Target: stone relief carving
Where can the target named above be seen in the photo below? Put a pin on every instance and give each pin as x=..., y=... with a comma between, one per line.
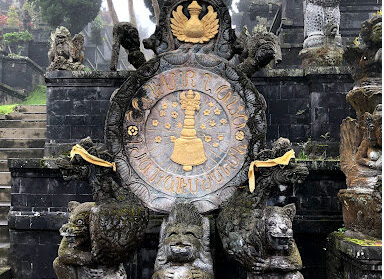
x=117, y=220
x=184, y=245
x=257, y=50
x=322, y=44
x=66, y=53
x=361, y=139
x=75, y=258
x=126, y=35
x=261, y=237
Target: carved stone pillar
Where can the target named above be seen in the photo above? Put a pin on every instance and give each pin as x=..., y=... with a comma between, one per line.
x=322, y=44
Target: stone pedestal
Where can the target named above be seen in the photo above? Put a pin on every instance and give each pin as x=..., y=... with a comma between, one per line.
x=362, y=211
x=353, y=259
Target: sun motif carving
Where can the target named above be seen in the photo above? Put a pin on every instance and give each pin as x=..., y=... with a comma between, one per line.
x=194, y=30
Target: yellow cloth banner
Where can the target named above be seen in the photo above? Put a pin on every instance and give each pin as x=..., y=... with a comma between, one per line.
x=283, y=160
x=79, y=150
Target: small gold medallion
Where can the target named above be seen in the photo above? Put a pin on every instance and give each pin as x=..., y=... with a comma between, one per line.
x=133, y=130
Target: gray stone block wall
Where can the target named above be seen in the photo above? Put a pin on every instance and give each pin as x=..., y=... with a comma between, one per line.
x=39, y=208
x=77, y=104
x=303, y=105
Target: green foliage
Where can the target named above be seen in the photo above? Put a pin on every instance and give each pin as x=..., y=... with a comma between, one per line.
x=96, y=28
x=302, y=156
x=37, y=96
x=17, y=37
x=7, y=109
x=326, y=136
x=300, y=112
x=73, y=14
x=13, y=18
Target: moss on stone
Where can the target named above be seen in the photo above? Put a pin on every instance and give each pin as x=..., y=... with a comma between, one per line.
x=361, y=242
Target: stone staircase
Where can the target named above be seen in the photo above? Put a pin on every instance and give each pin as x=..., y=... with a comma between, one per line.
x=22, y=135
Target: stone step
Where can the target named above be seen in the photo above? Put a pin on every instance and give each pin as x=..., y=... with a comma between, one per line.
x=5, y=272
x=5, y=195
x=4, y=210
x=5, y=179
x=3, y=165
x=32, y=109
x=6, y=153
x=23, y=124
x=27, y=133
x=26, y=116
x=21, y=143
x=4, y=253
x=4, y=231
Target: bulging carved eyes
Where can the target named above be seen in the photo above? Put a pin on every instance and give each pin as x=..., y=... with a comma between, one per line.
x=171, y=234
x=80, y=222
x=190, y=233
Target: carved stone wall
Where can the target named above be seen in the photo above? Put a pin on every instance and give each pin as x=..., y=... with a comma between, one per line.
x=39, y=208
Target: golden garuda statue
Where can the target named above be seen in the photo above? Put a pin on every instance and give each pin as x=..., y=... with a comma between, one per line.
x=194, y=30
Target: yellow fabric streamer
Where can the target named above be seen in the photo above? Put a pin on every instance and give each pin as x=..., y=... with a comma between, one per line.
x=283, y=160
x=79, y=150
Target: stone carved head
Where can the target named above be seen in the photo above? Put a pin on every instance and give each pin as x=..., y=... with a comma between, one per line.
x=278, y=227
x=77, y=229
x=184, y=239
x=371, y=31
x=373, y=126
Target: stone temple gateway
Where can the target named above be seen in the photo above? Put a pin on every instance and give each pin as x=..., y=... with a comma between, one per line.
x=183, y=184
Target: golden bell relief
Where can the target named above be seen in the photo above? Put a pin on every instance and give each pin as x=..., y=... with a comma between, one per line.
x=188, y=150
x=194, y=30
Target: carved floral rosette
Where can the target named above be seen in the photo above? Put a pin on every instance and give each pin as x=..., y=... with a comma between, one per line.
x=147, y=115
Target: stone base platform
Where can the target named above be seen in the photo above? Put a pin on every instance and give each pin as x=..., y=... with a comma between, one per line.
x=353, y=259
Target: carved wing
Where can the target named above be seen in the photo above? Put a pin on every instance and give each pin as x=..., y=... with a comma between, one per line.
x=211, y=24
x=178, y=22
x=351, y=138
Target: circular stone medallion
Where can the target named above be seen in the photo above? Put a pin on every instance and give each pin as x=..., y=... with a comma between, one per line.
x=185, y=137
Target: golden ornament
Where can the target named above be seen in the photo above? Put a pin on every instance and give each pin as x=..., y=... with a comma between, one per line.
x=240, y=135
x=188, y=150
x=194, y=30
x=133, y=130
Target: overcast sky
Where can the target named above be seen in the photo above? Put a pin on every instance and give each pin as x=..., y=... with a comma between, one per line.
x=142, y=13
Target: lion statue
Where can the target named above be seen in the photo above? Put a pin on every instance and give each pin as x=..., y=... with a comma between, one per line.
x=75, y=259
x=66, y=53
x=184, y=245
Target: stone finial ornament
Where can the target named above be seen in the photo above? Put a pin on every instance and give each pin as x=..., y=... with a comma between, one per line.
x=184, y=245
x=322, y=44
x=66, y=53
x=125, y=34
x=361, y=138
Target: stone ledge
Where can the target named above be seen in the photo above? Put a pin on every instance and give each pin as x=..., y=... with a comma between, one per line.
x=85, y=75
x=24, y=59
x=50, y=163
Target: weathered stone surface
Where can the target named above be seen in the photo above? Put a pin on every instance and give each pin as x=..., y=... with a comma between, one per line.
x=345, y=257
x=146, y=117
x=127, y=36
x=184, y=250
x=261, y=237
x=75, y=259
x=39, y=208
x=361, y=139
x=66, y=53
